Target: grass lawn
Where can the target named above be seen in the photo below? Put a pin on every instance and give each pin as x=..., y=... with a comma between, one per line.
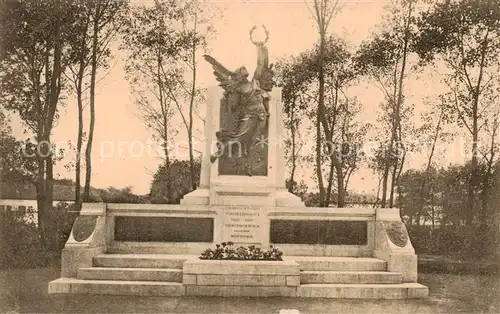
x=25, y=290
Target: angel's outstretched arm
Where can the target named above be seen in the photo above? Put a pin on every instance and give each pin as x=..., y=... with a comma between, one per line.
x=262, y=61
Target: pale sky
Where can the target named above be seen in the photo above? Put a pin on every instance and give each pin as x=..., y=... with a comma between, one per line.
x=119, y=132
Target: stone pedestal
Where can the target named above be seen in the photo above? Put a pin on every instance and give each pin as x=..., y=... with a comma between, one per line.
x=241, y=278
x=393, y=245
x=86, y=240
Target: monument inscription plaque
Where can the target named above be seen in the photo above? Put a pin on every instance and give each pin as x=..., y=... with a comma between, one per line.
x=242, y=224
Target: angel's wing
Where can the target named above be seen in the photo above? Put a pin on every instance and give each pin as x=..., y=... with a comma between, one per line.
x=264, y=73
x=227, y=81
x=223, y=75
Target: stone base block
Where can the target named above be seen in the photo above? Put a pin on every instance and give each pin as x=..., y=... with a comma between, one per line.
x=73, y=258
x=229, y=267
x=199, y=196
x=406, y=264
x=241, y=291
x=136, y=274
x=287, y=199
x=241, y=278
x=417, y=291
x=326, y=263
x=177, y=248
x=142, y=288
x=363, y=291
x=325, y=250
x=356, y=277
x=293, y=281
x=141, y=260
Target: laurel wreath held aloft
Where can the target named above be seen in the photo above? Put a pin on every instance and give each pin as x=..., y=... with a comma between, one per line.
x=259, y=42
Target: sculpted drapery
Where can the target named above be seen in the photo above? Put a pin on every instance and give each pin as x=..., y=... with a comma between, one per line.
x=250, y=99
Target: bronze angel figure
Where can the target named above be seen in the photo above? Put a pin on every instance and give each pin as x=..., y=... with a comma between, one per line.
x=249, y=98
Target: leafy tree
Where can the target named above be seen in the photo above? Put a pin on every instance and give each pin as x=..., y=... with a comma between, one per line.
x=446, y=192
x=340, y=134
x=465, y=35
x=177, y=177
x=294, y=80
x=15, y=167
x=35, y=36
x=384, y=58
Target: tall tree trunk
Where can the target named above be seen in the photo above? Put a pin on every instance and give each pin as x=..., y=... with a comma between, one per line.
x=475, y=136
x=329, y=188
x=426, y=178
x=54, y=91
x=79, y=140
x=164, y=112
x=396, y=123
x=380, y=178
x=334, y=165
x=294, y=156
x=49, y=190
x=41, y=155
x=191, y=108
x=393, y=183
x=320, y=116
x=340, y=187
x=433, y=215
x=488, y=178
x=40, y=200
x=469, y=217
x=79, y=94
x=385, y=175
x=318, y=162
x=88, y=150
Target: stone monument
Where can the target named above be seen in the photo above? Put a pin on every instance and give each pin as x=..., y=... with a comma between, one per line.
x=245, y=173
x=154, y=249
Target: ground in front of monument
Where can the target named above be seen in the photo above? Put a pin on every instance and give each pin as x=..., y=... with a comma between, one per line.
x=448, y=294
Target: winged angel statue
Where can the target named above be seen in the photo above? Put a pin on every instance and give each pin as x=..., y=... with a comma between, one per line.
x=250, y=99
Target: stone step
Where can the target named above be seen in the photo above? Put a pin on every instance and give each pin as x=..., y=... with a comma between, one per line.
x=140, y=260
x=309, y=276
x=326, y=263
x=130, y=274
x=142, y=288
x=363, y=291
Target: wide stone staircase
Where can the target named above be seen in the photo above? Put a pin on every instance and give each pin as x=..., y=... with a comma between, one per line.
x=161, y=275
x=352, y=277
x=127, y=274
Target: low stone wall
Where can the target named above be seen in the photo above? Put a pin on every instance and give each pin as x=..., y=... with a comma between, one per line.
x=241, y=278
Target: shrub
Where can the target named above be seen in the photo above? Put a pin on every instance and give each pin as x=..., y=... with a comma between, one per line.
x=20, y=239
x=227, y=251
x=20, y=243
x=453, y=241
